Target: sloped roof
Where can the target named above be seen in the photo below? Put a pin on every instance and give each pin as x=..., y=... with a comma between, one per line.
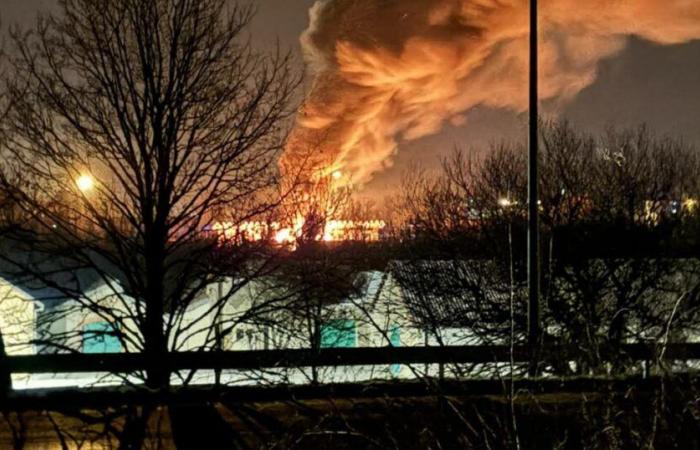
x=369, y=285
x=47, y=278
x=451, y=293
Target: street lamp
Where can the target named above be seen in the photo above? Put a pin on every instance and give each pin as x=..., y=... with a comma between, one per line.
x=85, y=183
x=505, y=202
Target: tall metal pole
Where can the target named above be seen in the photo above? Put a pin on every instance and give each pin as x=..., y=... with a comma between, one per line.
x=533, y=266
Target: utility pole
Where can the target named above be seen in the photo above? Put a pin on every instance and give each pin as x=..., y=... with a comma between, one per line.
x=533, y=266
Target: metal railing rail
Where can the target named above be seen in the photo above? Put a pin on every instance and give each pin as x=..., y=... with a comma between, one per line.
x=295, y=358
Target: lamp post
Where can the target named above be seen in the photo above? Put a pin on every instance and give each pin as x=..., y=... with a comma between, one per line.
x=533, y=269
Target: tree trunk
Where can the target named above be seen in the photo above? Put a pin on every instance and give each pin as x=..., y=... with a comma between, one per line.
x=156, y=346
x=134, y=432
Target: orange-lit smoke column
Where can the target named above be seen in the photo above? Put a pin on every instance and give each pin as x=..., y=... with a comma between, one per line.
x=386, y=71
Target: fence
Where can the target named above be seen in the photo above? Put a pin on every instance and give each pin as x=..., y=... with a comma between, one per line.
x=261, y=359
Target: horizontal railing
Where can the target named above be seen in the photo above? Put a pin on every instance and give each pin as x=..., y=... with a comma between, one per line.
x=102, y=397
x=292, y=358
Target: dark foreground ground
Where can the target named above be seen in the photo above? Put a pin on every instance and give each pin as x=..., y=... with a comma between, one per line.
x=660, y=413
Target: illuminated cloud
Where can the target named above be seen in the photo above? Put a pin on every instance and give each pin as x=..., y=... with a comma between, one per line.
x=388, y=70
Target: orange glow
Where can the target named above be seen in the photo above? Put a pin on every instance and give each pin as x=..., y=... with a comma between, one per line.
x=284, y=236
x=333, y=231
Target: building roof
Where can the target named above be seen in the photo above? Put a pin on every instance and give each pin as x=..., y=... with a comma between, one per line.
x=49, y=279
x=451, y=293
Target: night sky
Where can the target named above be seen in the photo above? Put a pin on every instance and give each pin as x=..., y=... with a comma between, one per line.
x=645, y=82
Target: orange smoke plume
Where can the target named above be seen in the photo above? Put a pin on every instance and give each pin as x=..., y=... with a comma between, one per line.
x=387, y=70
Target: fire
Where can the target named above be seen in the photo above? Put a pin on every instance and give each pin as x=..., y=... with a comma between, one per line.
x=287, y=235
x=351, y=230
x=284, y=235
x=335, y=230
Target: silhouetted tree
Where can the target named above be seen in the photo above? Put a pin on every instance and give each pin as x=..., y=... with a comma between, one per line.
x=135, y=125
x=616, y=211
x=6, y=221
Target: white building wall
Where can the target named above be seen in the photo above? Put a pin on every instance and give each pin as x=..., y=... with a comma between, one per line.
x=17, y=319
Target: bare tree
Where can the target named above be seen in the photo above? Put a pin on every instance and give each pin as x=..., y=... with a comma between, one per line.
x=6, y=221
x=135, y=125
x=318, y=273
x=618, y=215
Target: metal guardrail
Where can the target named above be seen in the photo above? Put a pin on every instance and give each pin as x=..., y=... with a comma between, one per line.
x=114, y=397
x=102, y=397
x=291, y=358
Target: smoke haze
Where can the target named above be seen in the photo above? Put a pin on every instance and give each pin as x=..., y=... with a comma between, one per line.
x=386, y=70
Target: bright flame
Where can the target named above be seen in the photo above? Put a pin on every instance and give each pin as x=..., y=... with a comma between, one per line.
x=284, y=236
x=333, y=231
x=288, y=235
x=85, y=183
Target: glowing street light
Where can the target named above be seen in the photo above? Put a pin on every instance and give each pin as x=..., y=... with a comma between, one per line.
x=690, y=204
x=337, y=174
x=504, y=202
x=85, y=183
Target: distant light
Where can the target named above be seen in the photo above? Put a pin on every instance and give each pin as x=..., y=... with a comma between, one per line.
x=85, y=183
x=504, y=202
x=337, y=174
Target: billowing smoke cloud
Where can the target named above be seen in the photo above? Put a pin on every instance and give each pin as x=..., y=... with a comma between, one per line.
x=386, y=70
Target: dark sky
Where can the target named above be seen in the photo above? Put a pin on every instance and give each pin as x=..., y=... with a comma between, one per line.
x=645, y=83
